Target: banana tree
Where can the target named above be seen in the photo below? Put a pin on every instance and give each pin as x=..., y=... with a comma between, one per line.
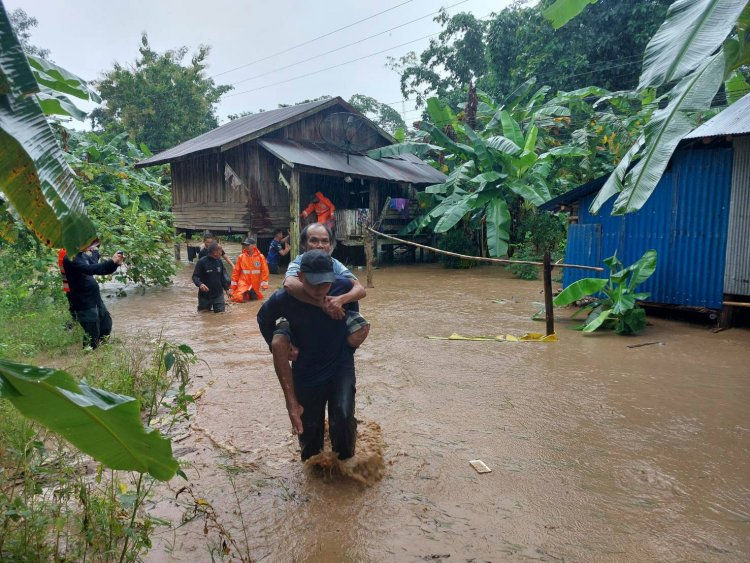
x=699, y=47
x=489, y=170
x=38, y=183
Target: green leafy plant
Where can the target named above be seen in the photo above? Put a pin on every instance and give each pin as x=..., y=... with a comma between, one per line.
x=459, y=242
x=614, y=304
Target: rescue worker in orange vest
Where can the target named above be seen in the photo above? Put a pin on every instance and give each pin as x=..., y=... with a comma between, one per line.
x=323, y=208
x=250, y=274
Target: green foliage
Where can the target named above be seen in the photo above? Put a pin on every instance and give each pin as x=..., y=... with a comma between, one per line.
x=453, y=60
x=51, y=507
x=131, y=206
x=33, y=174
x=544, y=232
x=689, y=48
x=22, y=24
x=31, y=300
x=615, y=299
x=158, y=101
x=459, y=242
x=382, y=114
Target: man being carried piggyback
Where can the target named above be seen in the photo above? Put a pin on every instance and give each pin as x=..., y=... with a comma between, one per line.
x=322, y=369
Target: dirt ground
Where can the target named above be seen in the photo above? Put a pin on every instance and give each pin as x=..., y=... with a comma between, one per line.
x=599, y=451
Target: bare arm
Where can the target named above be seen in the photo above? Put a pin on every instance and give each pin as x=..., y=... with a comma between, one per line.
x=280, y=348
x=334, y=305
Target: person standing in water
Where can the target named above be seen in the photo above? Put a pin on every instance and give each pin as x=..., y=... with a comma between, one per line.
x=322, y=368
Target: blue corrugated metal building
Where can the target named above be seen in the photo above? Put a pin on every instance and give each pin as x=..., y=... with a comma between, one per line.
x=697, y=219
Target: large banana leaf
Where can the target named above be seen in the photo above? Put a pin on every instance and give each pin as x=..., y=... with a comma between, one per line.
x=665, y=130
x=454, y=213
x=419, y=149
x=480, y=149
x=614, y=184
x=34, y=176
x=693, y=30
x=578, y=290
x=497, y=222
x=562, y=11
x=104, y=425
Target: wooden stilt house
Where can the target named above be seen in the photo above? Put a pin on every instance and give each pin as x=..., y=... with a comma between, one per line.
x=256, y=174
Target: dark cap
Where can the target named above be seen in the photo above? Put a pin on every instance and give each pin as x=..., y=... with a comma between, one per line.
x=317, y=266
x=248, y=241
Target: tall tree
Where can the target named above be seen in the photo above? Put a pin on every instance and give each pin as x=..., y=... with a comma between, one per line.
x=22, y=24
x=601, y=47
x=158, y=101
x=382, y=114
x=452, y=62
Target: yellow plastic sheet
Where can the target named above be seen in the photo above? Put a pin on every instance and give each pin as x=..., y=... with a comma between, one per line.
x=528, y=337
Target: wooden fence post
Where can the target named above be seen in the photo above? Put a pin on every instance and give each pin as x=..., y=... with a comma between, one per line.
x=548, y=307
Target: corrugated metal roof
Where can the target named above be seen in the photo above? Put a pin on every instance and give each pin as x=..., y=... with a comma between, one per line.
x=404, y=168
x=735, y=120
x=575, y=194
x=248, y=127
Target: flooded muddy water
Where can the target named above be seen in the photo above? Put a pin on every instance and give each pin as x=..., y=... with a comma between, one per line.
x=598, y=451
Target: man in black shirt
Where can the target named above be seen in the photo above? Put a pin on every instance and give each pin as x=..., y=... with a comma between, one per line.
x=322, y=369
x=85, y=299
x=211, y=281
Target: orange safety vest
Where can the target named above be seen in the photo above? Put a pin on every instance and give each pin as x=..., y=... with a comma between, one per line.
x=60, y=258
x=250, y=272
x=323, y=209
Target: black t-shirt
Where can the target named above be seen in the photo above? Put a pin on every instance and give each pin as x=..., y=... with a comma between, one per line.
x=321, y=340
x=210, y=271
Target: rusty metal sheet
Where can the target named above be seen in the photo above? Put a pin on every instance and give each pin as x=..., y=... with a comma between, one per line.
x=404, y=168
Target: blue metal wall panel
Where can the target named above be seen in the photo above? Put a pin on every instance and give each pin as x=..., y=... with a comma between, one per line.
x=584, y=243
x=685, y=221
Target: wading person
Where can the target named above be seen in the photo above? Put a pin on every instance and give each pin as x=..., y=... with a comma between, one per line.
x=322, y=369
x=279, y=247
x=210, y=279
x=85, y=298
x=250, y=274
x=208, y=239
x=318, y=236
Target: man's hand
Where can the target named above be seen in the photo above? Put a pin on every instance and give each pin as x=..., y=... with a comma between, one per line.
x=295, y=411
x=118, y=258
x=333, y=307
x=203, y=287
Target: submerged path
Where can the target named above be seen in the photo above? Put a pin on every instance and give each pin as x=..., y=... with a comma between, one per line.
x=598, y=451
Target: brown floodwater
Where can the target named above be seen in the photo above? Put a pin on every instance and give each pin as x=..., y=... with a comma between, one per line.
x=598, y=451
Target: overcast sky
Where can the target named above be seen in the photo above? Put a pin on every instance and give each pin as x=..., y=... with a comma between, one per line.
x=88, y=36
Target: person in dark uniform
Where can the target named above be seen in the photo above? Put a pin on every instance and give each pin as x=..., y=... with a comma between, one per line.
x=211, y=280
x=85, y=299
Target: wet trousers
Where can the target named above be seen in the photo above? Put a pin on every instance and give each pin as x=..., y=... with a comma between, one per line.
x=342, y=426
x=215, y=304
x=96, y=322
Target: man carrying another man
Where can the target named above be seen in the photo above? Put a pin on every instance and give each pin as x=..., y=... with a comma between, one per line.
x=323, y=362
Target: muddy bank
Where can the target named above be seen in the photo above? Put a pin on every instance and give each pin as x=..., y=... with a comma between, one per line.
x=598, y=451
